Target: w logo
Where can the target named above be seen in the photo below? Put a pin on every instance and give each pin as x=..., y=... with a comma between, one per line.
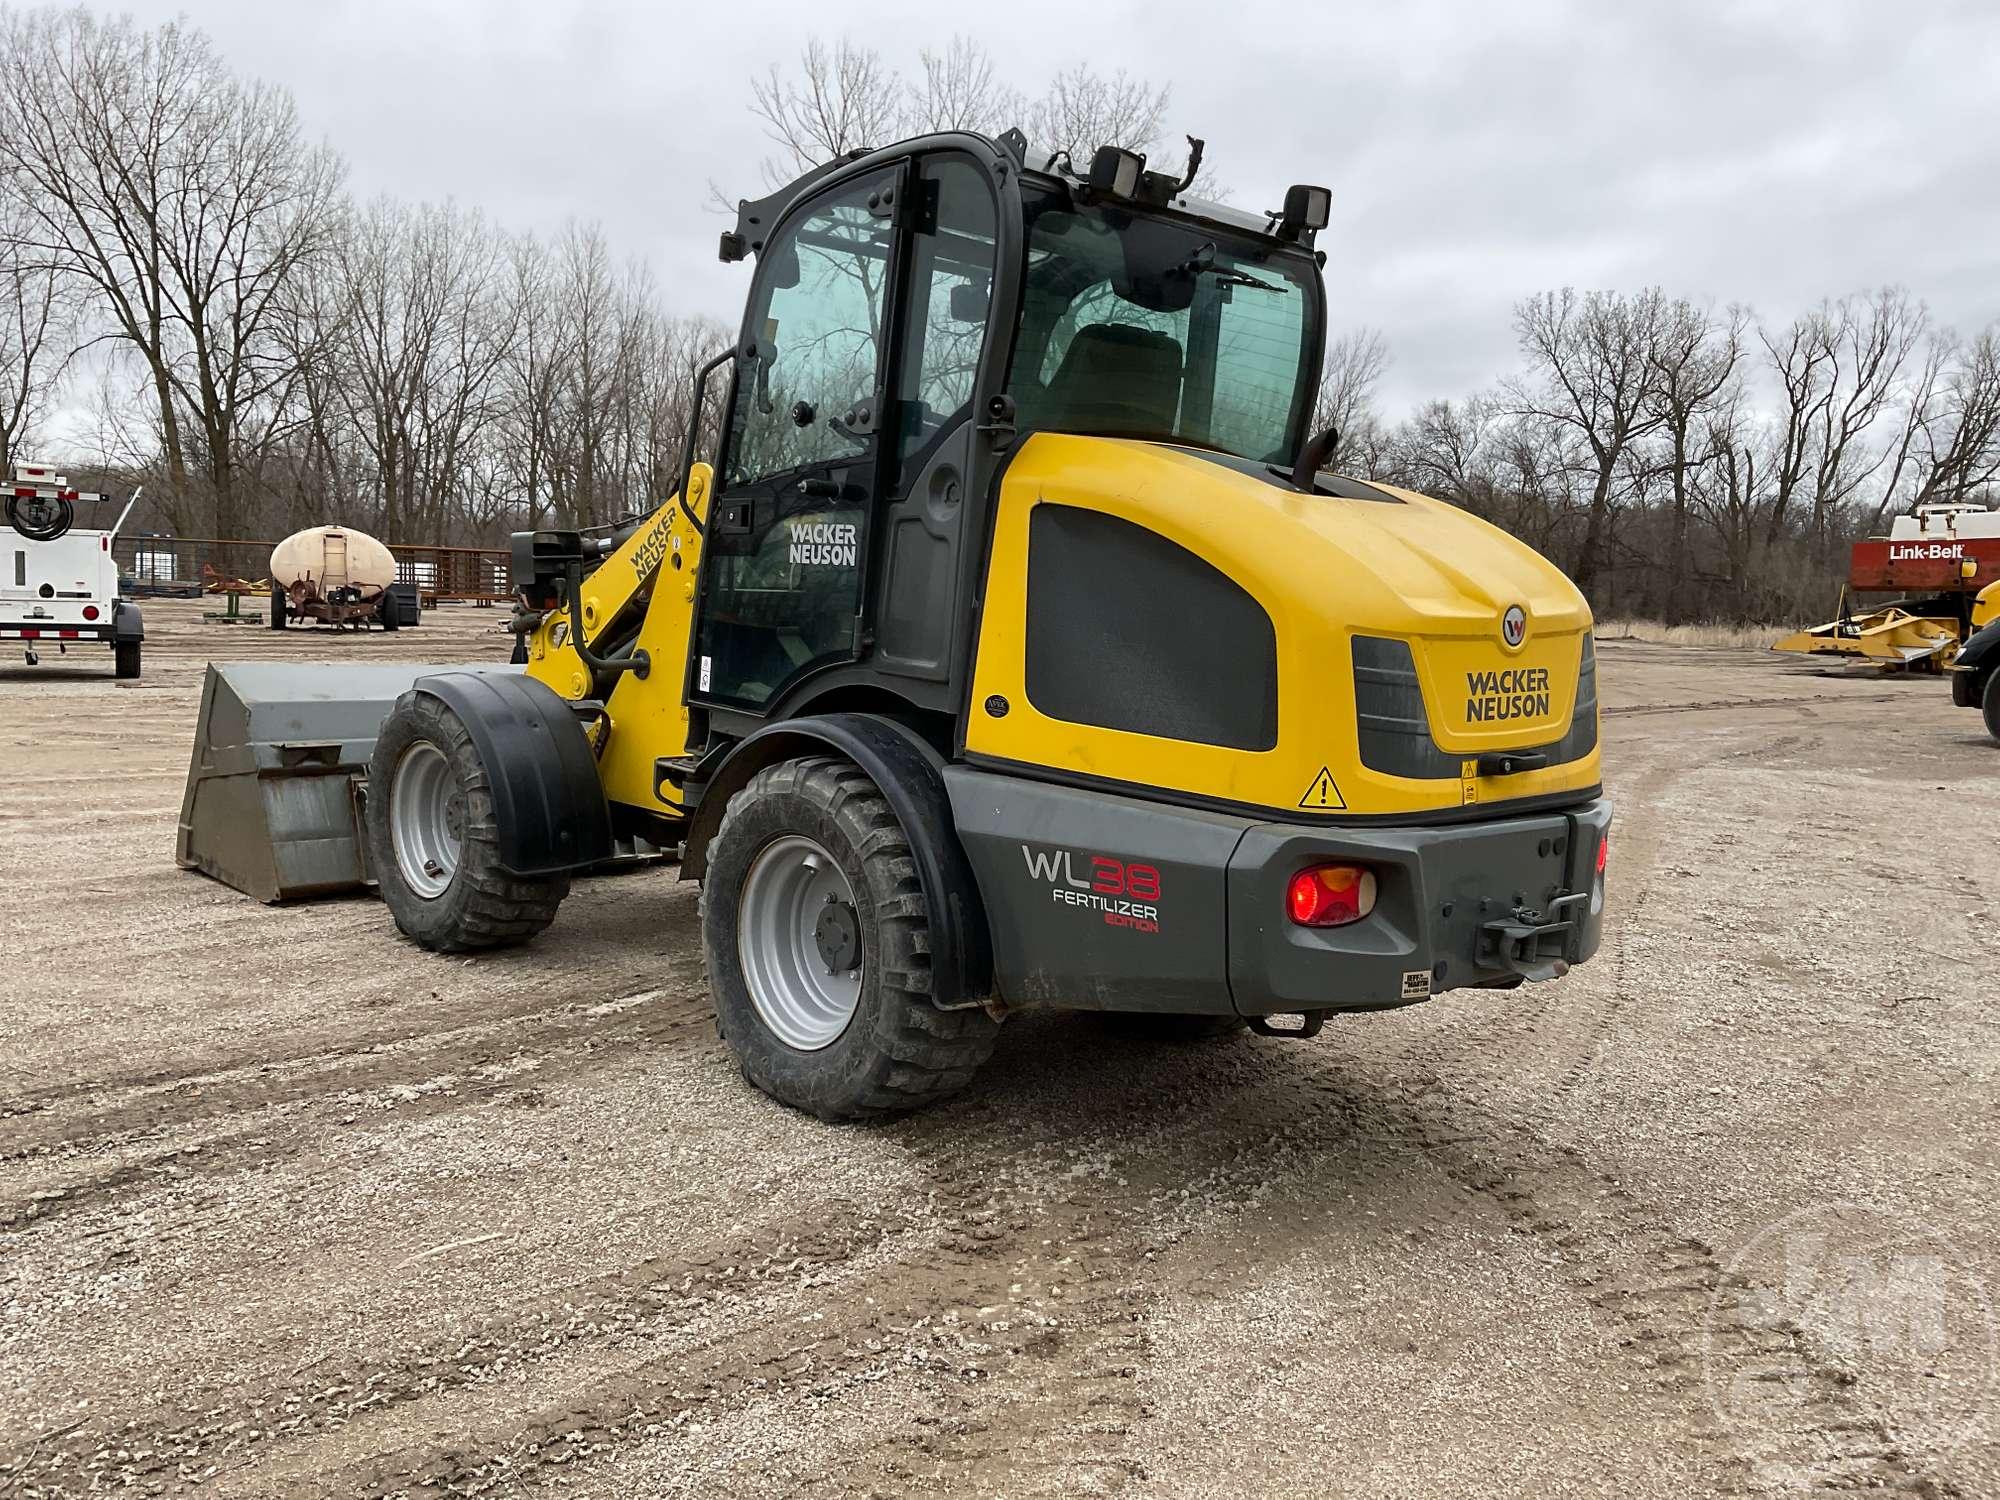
x=1514, y=625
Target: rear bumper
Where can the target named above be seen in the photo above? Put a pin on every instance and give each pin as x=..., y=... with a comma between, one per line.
x=1114, y=903
x=1489, y=903
x=120, y=621
x=15, y=630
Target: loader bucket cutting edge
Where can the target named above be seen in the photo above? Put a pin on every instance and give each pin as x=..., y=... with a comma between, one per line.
x=278, y=748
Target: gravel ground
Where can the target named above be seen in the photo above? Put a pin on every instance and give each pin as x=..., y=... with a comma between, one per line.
x=289, y=1207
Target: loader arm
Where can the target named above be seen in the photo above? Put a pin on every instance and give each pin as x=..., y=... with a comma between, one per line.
x=648, y=579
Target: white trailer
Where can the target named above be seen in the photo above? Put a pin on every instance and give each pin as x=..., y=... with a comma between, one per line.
x=59, y=581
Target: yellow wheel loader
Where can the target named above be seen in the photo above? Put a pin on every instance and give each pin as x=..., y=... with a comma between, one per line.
x=1019, y=649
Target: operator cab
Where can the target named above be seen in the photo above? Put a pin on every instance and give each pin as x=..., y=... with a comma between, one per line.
x=915, y=313
x=1137, y=325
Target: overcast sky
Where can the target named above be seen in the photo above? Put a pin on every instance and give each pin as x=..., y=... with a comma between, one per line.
x=1478, y=152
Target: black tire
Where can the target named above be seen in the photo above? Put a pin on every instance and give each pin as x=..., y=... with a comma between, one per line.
x=484, y=905
x=898, y=1052
x=1989, y=702
x=1155, y=1026
x=277, y=606
x=389, y=612
x=125, y=656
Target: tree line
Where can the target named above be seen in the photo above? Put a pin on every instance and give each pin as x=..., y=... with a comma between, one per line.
x=186, y=279
x=1689, y=463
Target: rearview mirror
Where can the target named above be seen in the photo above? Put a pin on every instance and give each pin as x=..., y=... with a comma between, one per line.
x=970, y=303
x=785, y=266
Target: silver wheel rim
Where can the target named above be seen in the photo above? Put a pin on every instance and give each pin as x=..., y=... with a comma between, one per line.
x=795, y=906
x=426, y=819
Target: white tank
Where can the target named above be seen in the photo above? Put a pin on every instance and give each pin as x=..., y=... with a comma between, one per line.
x=331, y=557
x=1932, y=522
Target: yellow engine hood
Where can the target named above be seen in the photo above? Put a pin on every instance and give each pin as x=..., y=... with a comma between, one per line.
x=1419, y=570
x=1327, y=569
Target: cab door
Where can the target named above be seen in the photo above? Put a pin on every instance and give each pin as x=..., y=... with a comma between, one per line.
x=802, y=461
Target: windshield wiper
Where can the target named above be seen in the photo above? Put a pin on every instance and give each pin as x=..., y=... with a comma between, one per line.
x=1202, y=263
x=1244, y=278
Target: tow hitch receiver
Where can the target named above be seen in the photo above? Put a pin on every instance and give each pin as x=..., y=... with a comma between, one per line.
x=1533, y=944
x=1310, y=1022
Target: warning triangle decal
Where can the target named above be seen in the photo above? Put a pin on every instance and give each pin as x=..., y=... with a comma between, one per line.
x=1323, y=793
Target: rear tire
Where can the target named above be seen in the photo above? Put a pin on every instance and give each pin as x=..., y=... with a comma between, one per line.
x=1989, y=702
x=277, y=606
x=125, y=658
x=433, y=845
x=801, y=841
x=1156, y=1026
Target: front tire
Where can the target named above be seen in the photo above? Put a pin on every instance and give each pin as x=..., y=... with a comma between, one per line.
x=1989, y=703
x=433, y=844
x=817, y=940
x=277, y=606
x=389, y=612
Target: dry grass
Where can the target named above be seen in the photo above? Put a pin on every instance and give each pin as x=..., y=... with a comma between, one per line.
x=1743, y=637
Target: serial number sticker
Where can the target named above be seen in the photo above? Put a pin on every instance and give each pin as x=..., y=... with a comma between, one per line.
x=1416, y=983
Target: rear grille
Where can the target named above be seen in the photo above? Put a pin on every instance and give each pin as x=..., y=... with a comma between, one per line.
x=1395, y=728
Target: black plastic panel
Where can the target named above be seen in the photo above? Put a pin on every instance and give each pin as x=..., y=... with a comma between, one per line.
x=1127, y=630
x=1395, y=728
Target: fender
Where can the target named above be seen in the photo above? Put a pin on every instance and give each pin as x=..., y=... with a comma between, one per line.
x=1980, y=653
x=910, y=773
x=548, y=804
x=126, y=622
x=1974, y=664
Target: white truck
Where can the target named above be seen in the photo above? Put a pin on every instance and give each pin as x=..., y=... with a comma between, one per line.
x=59, y=581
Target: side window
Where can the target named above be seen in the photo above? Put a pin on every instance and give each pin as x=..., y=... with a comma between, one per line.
x=951, y=288
x=818, y=337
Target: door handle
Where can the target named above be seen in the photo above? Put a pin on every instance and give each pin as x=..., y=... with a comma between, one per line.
x=827, y=489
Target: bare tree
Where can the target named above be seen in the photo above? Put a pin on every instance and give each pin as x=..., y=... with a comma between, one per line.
x=36, y=336
x=1349, y=376
x=842, y=98
x=1725, y=490
x=1839, y=370
x=423, y=332
x=183, y=198
x=1872, y=341
x=1962, y=439
x=1083, y=109
x=961, y=90
x=1592, y=370
x=1695, y=358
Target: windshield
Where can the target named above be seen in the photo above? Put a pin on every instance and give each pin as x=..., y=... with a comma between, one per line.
x=1153, y=328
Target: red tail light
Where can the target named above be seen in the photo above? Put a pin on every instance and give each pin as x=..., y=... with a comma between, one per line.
x=1603, y=851
x=90, y=611
x=1330, y=895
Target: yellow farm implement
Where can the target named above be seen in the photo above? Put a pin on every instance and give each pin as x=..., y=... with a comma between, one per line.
x=1890, y=637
